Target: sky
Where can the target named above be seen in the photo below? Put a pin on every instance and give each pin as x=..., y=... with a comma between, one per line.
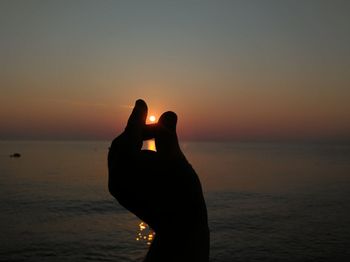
x=231, y=70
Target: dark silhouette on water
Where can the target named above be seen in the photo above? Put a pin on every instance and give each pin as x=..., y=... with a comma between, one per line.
x=161, y=188
x=15, y=155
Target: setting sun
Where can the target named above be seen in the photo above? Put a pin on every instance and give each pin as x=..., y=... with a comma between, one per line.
x=152, y=119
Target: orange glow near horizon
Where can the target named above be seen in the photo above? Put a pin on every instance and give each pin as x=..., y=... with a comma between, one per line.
x=253, y=119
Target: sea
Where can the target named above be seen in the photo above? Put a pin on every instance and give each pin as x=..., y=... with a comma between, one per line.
x=266, y=202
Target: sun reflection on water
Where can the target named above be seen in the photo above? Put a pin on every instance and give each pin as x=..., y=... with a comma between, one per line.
x=149, y=145
x=145, y=233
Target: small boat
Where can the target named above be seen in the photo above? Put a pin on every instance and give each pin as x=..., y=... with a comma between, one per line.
x=15, y=155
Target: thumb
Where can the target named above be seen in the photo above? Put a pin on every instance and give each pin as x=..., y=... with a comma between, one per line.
x=138, y=115
x=166, y=139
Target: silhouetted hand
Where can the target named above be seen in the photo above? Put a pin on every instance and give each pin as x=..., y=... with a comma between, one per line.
x=161, y=188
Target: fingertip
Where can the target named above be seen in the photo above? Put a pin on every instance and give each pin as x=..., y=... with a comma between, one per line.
x=168, y=120
x=166, y=138
x=140, y=108
x=140, y=103
x=139, y=113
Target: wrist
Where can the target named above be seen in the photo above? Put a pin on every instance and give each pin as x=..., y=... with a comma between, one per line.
x=187, y=244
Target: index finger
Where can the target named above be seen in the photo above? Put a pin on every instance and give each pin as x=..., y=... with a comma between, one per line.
x=130, y=141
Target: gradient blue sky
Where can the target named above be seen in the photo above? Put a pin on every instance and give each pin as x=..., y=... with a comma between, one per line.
x=230, y=69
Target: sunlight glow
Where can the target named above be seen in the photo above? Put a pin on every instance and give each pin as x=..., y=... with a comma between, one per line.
x=152, y=119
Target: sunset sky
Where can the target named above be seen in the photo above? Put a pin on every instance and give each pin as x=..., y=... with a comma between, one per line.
x=231, y=70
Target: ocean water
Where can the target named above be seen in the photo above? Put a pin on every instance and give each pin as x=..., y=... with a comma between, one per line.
x=266, y=202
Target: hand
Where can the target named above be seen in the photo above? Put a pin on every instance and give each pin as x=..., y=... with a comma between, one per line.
x=161, y=188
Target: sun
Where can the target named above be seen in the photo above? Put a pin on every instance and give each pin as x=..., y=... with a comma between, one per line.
x=152, y=119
